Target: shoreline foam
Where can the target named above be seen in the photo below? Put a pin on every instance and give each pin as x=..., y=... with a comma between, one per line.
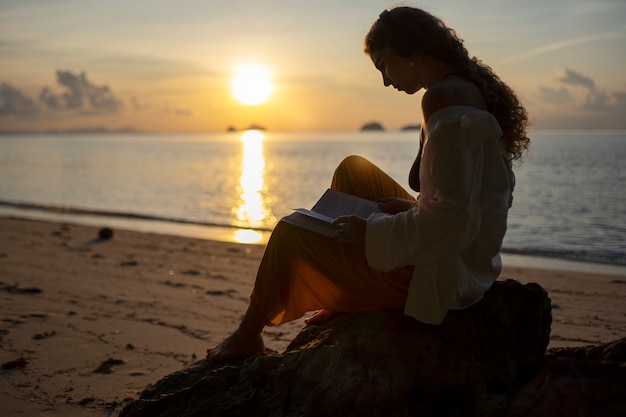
x=232, y=234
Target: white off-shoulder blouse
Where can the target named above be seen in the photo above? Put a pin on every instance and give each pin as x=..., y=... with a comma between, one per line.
x=454, y=234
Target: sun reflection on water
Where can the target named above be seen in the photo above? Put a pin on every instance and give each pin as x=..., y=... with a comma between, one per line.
x=251, y=211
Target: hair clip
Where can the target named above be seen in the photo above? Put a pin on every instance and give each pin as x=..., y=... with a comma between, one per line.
x=383, y=15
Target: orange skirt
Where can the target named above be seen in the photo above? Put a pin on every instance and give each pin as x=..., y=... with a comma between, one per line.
x=303, y=271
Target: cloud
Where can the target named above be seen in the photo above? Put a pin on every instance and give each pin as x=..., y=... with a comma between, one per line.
x=577, y=97
x=182, y=112
x=137, y=105
x=558, y=96
x=81, y=94
x=620, y=98
x=14, y=102
x=598, y=100
x=555, y=46
x=574, y=78
x=594, y=98
x=77, y=94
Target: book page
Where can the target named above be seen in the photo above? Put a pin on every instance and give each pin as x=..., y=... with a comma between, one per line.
x=315, y=215
x=304, y=220
x=331, y=205
x=335, y=203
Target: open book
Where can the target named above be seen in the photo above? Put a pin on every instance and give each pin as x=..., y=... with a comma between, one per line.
x=331, y=205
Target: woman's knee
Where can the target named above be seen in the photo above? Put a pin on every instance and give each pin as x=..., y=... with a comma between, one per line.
x=353, y=161
x=352, y=164
x=350, y=172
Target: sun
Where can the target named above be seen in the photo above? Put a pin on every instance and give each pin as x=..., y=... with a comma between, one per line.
x=251, y=84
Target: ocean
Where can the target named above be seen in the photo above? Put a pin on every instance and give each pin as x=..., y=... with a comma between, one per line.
x=569, y=202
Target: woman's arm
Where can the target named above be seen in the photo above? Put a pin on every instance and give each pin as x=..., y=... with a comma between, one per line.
x=394, y=205
x=448, y=216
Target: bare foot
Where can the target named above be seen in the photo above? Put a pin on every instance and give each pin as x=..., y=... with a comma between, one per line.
x=235, y=346
x=321, y=317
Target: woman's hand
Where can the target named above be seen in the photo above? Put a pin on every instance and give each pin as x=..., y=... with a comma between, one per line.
x=351, y=229
x=394, y=205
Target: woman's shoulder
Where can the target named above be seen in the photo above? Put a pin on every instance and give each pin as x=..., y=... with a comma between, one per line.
x=453, y=90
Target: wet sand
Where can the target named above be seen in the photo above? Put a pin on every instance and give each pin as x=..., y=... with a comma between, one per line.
x=88, y=323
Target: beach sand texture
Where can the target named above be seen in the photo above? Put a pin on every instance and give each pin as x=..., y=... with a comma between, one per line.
x=87, y=323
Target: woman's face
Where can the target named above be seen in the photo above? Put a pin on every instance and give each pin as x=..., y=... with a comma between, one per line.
x=397, y=71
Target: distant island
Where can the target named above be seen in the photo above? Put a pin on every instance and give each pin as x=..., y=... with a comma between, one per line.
x=71, y=131
x=376, y=126
x=251, y=127
x=372, y=126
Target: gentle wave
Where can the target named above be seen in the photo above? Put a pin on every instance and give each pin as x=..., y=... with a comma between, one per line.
x=117, y=214
x=599, y=257
x=606, y=257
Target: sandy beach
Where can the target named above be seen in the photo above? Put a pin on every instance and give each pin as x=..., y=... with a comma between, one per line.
x=88, y=323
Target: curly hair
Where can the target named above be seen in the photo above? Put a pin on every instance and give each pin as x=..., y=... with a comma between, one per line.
x=408, y=30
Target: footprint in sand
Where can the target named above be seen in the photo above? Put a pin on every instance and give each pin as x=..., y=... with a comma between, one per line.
x=174, y=284
x=220, y=292
x=17, y=363
x=106, y=367
x=16, y=289
x=44, y=335
x=219, y=276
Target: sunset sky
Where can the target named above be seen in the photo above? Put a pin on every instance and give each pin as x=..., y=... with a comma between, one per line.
x=166, y=66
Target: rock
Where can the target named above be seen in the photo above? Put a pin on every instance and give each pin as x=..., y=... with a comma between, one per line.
x=105, y=233
x=379, y=363
x=582, y=381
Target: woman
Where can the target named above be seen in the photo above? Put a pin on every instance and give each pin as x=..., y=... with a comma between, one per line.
x=426, y=255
